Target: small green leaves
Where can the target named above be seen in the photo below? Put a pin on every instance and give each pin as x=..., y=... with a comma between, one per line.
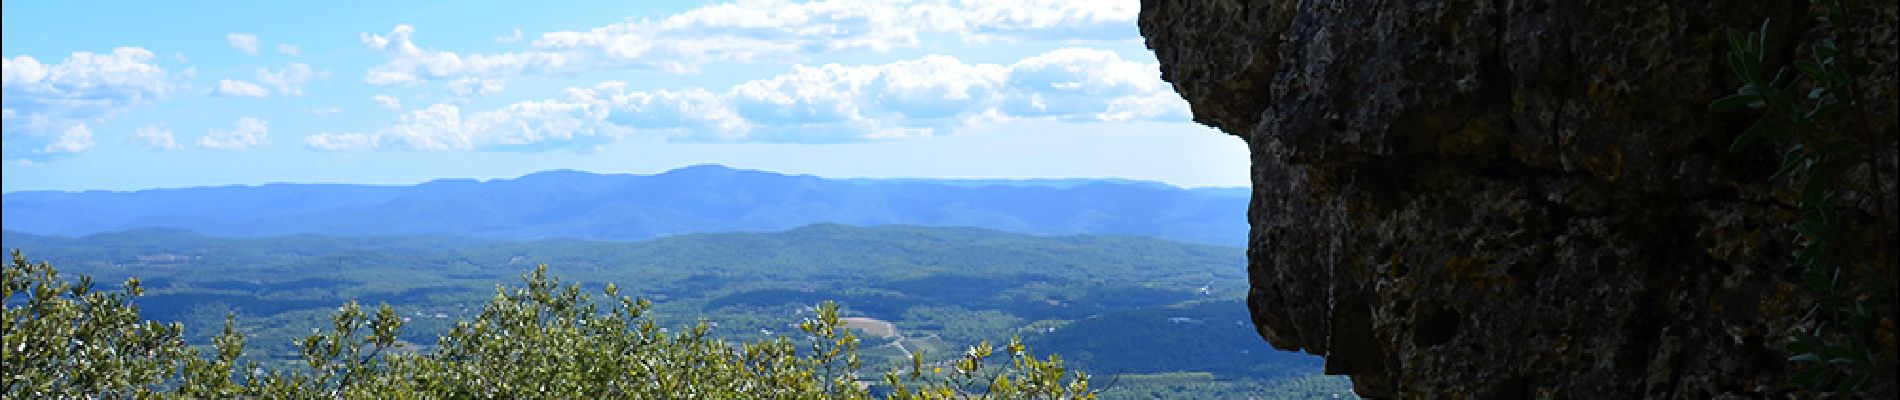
x=542, y=339
x=65, y=340
x=1736, y=102
x=1798, y=113
x=1761, y=41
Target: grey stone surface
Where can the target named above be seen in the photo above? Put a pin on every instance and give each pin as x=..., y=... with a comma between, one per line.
x=1514, y=199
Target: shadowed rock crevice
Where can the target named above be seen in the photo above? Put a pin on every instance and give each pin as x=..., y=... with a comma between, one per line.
x=1509, y=198
x=1438, y=326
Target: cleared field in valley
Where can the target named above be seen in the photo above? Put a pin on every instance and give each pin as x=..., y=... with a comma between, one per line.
x=871, y=326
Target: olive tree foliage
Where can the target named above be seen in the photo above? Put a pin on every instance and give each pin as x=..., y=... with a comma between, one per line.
x=543, y=339
x=68, y=339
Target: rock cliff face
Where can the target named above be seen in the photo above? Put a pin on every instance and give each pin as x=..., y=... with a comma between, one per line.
x=1514, y=198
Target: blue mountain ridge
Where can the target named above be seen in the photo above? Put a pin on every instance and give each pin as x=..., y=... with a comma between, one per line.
x=583, y=205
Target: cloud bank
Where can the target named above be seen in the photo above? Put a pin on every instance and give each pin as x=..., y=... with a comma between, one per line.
x=246, y=43
x=250, y=133
x=754, y=31
x=45, y=107
x=922, y=97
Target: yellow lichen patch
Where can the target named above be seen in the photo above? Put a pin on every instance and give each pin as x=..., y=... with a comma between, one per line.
x=1735, y=245
x=1885, y=332
x=1782, y=216
x=1607, y=165
x=1784, y=294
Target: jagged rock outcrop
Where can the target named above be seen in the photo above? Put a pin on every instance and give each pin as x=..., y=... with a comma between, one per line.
x=1514, y=198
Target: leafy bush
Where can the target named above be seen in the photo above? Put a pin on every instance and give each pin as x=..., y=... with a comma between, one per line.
x=1811, y=110
x=543, y=339
x=68, y=340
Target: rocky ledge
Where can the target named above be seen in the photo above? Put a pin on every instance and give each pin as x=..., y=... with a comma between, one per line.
x=1517, y=199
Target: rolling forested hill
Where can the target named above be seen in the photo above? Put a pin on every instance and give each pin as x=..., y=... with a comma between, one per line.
x=1165, y=315
x=707, y=198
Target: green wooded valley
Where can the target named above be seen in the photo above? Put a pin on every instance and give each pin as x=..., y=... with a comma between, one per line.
x=1145, y=317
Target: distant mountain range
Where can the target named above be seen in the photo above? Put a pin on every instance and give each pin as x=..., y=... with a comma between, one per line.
x=707, y=198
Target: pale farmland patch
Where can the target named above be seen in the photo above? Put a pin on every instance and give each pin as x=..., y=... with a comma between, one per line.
x=871, y=326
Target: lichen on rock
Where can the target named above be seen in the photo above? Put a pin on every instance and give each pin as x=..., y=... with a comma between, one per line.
x=1511, y=198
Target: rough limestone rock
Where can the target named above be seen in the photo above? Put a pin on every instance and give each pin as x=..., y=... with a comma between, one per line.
x=1511, y=198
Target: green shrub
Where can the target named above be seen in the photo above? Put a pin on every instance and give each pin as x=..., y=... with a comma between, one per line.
x=543, y=339
x=1811, y=110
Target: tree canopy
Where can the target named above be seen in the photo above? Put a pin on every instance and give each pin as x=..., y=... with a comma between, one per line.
x=541, y=339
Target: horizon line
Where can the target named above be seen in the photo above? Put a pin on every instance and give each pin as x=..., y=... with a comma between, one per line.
x=864, y=179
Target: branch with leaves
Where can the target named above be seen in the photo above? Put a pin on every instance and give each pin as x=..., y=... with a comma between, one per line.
x=1811, y=110
x=544, y=339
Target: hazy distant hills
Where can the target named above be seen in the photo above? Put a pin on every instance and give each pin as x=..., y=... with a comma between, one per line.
x=630, y=207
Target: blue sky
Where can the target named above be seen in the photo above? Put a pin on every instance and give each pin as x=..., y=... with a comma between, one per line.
x=135, y=95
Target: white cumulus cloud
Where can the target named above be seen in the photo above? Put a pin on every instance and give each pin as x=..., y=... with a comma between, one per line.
x=288, y=80
x=289, y=49
x=1069, y=20
x=243, y=42
x=157, y=137
x=237, y=88
x=751, y=31
x=44, y=107
x=249, y=133
x=411, y=64
x=572, y=120
x=387, y=102
x=475, y=87
x=835, y=102
x=327, y=141
x=75, y=139
x=546, y=124
x=938, y=93
x=811, y=104
x=1089, y=84
x=686, y=113
x=514, y=38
